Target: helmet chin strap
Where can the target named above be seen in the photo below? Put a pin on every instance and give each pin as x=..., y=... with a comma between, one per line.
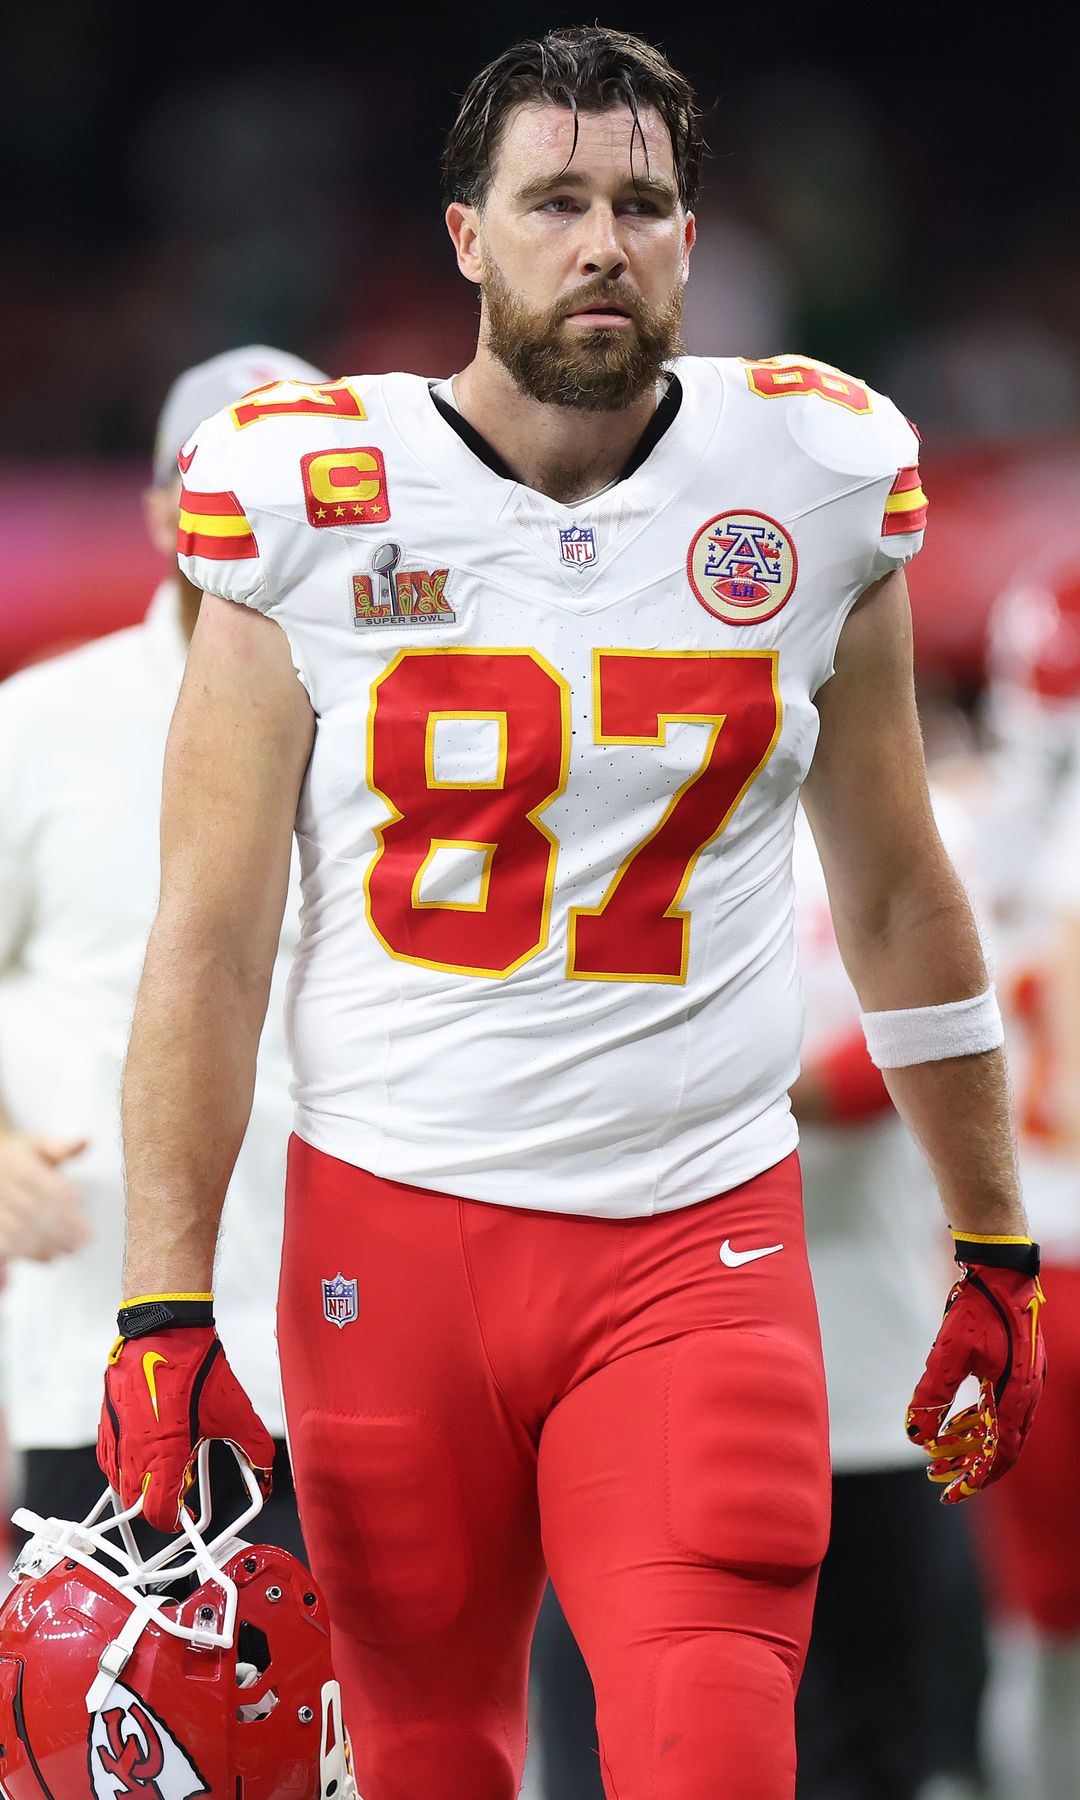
x=114, y=1658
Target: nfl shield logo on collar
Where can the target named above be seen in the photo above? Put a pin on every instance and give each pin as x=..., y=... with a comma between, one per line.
x=339, y=1301
x=578, y=544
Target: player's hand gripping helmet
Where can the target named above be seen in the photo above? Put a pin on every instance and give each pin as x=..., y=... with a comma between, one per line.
x=201, y=1670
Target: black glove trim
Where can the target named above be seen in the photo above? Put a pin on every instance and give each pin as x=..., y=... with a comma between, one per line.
x=197, y=1386
x=1019, y=1254
x=164, y=1314
x=1002, y=1381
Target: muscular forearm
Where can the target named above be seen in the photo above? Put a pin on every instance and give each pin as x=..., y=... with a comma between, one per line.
x=187, y=1095
x=237, y=750
x=918, y=945
x=927, y=953
x=958, y=1112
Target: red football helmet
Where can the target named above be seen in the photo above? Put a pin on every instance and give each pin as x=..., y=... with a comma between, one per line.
x=203, y=1670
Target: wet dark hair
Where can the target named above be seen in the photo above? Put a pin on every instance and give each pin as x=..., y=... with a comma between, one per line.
x=585, y=68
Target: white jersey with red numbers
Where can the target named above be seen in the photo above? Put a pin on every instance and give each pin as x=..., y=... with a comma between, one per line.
x=546, y=952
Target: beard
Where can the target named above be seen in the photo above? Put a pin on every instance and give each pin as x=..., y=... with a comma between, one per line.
x=597, y=369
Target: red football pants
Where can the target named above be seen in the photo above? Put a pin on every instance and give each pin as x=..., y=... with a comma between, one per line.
x=603, y=1394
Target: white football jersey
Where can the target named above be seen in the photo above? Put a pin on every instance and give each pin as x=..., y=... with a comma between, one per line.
x=546, y=952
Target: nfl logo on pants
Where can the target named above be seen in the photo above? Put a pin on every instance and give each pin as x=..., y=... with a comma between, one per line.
x=578, y=544
x=339, y=1301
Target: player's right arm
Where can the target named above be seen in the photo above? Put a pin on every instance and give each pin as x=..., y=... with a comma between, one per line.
x=237, y=751
x=236, y=757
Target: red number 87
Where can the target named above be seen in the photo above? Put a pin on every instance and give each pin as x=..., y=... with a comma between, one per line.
x=639, y=930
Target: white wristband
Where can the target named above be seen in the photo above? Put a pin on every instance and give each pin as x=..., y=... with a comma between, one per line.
x=919, y=1034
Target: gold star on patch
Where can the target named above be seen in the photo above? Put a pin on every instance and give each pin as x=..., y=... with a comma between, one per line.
x=339, y=512
x=358, y=508
x=376, y=512
x=321, y=514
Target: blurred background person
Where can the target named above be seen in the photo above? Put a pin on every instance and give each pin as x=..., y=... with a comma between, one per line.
x=890, y=1694
x=82, y=740
x=1024, y=803
x=41, y=1212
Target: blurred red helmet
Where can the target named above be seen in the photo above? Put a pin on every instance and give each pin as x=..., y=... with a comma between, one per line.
x=113, y=1687
x=1034, y=638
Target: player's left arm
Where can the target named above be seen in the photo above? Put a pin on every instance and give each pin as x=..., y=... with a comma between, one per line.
x=909, y=940
x=903, y=921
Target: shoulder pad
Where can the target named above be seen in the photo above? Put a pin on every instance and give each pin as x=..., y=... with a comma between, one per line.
x=839, y=421
x=277, y=454
x=256, y=444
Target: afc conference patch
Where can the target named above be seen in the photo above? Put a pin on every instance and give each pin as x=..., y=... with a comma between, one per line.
x=578, y=544
x=742, y=567
x=339, y=1300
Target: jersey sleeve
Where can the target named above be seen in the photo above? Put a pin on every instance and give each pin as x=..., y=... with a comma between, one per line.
x=855, y=478
x=903, y=521
x=251, y=511
x=862, y=453
x=217, y=544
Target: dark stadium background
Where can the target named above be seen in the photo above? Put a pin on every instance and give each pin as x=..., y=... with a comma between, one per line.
x=889, y=191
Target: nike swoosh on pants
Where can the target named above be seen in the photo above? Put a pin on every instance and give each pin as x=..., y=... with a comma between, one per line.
x=734, y=1259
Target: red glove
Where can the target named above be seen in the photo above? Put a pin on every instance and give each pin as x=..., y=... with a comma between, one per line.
x=167, y=1387
x=990, y=1329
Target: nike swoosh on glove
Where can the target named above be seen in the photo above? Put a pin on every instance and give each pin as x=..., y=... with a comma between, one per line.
x=164, y=1393
x=990, y=1329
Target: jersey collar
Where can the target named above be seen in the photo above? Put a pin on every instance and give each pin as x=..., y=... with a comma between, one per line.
x=667, y=469
x=663, y=416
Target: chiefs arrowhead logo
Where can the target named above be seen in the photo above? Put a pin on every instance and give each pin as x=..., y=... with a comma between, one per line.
x=134, y=1755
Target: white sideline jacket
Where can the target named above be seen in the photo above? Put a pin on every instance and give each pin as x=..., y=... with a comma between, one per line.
x=82, y=741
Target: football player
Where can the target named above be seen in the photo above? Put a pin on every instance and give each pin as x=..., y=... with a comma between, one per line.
x=534, y=660
x=82, y=738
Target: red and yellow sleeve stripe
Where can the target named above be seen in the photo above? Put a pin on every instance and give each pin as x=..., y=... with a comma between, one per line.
x=214, y=526
x=905, y=509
